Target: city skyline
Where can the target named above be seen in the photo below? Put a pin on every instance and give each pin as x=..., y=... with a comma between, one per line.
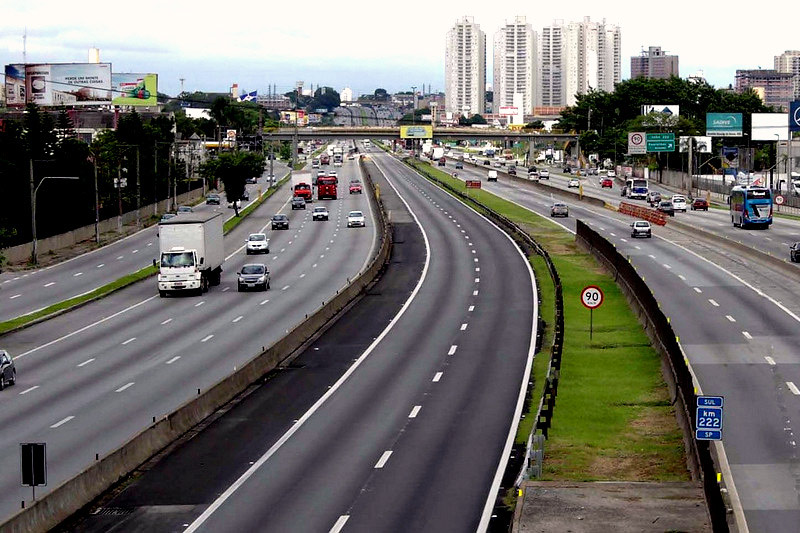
x=394, y=51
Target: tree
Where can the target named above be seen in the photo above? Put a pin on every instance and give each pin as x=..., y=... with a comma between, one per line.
x=474, y=119
x=535, y=125
x=381, y=94
x=233, y=168
x=325, y=97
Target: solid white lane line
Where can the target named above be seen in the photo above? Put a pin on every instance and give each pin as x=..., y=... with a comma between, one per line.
x=471, y=308
x=337, y=527
x=50, y=284
x=198, y=304
x=793, y=388
x=26, y=391
x=697, y=290
x=713, y=302
x=237, y=319
x=62, y=422
x=15, y=296
x=384, y=458
x=770, y=360
x=463, y=327
x=747, y=335
x=207, y=338
x=101, y=265
x=129, y=341
x=167, y=321
x=452, y=350
x=415, y=411
x=264, y=302
x=77, y=274
x=86, y=362
x=173, y=359
x=729, y=317
x=125, y=387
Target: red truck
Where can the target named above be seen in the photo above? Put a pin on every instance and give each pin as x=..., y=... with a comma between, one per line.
x=326, y=187
x=301, y=185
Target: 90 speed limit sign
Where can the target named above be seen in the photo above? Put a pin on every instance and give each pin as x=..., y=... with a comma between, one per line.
x=592, y=297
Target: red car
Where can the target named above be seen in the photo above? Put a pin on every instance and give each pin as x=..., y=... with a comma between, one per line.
x=355, y=187
x=700, y=203
x=607, y=182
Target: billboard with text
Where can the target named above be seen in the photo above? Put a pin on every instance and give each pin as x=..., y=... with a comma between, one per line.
x=724, y=124
x=416, y=132
x=134, y=89
x=15, y=85
x=57, y=84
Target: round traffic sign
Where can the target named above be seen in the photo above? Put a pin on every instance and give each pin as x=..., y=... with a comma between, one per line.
x=637, y=139
x=592, y=297
x=779, y=199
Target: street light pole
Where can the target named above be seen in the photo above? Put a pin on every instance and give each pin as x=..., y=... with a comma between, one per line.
x=34, y=258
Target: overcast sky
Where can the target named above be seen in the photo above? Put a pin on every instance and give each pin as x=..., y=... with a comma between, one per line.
x=366, y=45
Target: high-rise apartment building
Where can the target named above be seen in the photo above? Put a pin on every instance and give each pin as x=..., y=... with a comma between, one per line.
x=654, y=63
x=515, y=65
x=775, y=88
x=465, y=68
x=578, y=57
x=789, y=63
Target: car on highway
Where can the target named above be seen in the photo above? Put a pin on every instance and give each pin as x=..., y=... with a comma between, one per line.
x=574, y=183
x=666, y=207
x=213, y=199
x=512, y=170
x=183, y=209
x=559, y=209
x=699, y=204
x=167, y=216
x=641, y=228
x=544, y=174
x=459, y=165
x=492, y=176
x=487, y=162
x=257, y=243
x=298, y=202
x=611, y=174
x=315, y=163
x=280, y=221
x=320, y=213
x=653, y=198
x=794, y=252
x=356, y=219
x=679, y=202
x=8, y=371
x=253, y=276
x=355, y=187
x=442, y=161
x=251, y=180
x=606, y=182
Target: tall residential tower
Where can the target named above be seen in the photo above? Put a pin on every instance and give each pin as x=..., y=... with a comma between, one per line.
x=515, y=65
x=465, y=68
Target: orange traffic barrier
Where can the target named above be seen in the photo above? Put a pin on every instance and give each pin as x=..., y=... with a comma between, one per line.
x=651, y=215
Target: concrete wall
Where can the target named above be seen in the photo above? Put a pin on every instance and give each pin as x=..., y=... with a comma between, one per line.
x=22, y=252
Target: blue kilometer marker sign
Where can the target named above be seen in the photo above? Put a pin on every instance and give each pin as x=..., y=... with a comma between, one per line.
x=709, y=418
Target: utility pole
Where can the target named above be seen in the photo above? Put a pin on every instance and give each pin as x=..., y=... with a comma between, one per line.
x=138, y=190
x=33, y=213
x=96, y=204
x=155, y=178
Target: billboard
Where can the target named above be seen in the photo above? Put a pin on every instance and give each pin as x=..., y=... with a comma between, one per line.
x=730, y=157
x=507, y=110
x=15, y=85
x=766, y=126
x=794, y=116
x=56, y=84
x=134, y=89
x=724, y=124
x=416, y=132
x=702, y=144
x=666, y=109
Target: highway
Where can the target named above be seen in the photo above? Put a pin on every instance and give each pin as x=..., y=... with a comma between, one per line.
x=26, y=292
x=737, y=321
x=89, y=380
x=375, y=427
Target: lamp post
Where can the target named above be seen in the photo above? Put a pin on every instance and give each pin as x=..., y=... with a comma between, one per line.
x=34, y=259
x=413, y=118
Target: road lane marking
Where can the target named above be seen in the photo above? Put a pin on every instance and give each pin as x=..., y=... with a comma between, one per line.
x=286, y=287
x=198, y=304
x=729, y=317
x=50, y=284
x=682, y=277
x=475, y=259
x=770, y=360
x=463, y=327
x=237, y=319
x=477, y=269
x=135, y=252
x=697, y=290
x=651, y=256
x=75, y=275
x=747, y=335
x=173, y=359
x=86, y=362
x=613, y=234
x=26, y=391
x=62, y=422
x=129, y=341
x=667, y=266
x=471, y=308
x=384, y=458
x=477, y=280
x=474, y=293
x=101, y=265
x=793, y=388
x=119, y=257
x=415, y=411
x=207, y=338
x=314, y=265
x=15, y=296
x=713, y=302
x=452, y=350
x=474, y=252
x=264, y=302
x=226, y=289
x=125, y=387
x=337, y=527
x=167, y=321
x=624, y=240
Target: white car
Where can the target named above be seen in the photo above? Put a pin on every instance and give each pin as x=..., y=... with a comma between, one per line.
x=257, y=243
x=679, y=202
x=544, y=173
x=319, y=213
x=355, y=219
x=641, y=228
x=574, y=182
x=612, y=174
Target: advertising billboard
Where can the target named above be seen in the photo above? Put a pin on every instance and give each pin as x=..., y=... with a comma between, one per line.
x=702, y=144
x=58, y=84
x=730, y=157
x=794, y=116
x=416, y=132
x=666, y=109
x=508, y=110
x=769, y=127
x=724, y=124
x=15, y=85
x=134, y=89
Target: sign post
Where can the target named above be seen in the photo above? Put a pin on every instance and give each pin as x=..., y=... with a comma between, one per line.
x=591, y=297
x=660, y=142
x=709, y=418
x=33, y=459
x=636, y=143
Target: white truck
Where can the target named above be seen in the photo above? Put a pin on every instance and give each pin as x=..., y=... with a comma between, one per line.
x=338, y=156
x=437, y=153
x=191, y=253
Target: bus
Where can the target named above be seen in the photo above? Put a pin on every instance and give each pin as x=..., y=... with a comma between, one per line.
x=636, y=188
x=750, y=205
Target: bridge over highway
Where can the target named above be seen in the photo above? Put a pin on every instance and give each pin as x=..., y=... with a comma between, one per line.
x=443, y=133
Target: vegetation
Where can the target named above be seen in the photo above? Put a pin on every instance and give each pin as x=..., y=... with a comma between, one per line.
x=474, y=119
x=233, y=169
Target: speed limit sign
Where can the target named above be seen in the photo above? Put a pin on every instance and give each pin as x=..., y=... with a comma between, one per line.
x=592, y=297
x=779, y=199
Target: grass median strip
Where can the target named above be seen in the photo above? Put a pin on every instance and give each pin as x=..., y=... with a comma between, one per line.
x=613, y=419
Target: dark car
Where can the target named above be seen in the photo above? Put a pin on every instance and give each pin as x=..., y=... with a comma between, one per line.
x=252, y=179
x=280, y=221
x=213, y=199
x=794, y=252
x=487, y=162
x=459, y=165
x=185, y=209
x=666, y=206
x=298, y=202
x=253, y=276
x=512, y=170
x=167, y=216
x=700, y=204
x=8, y=372
x=442, y=162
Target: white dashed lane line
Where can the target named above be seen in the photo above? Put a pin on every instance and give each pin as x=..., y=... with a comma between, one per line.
x=50, y=284
x=793, y=388
x=770, y=360
x=119, y=257
x=415, y=411
x=237, y=319
x=101, y=265
x=198, y=304
x=452, y=350
x=747, y=335
x=86, y=362
x=207, y=338
x=129, y=341
x=173, y=359
x=62, y=422
x=471, y=308
x=15, y=296
x=125, y=387
x=697, y=290
x=729, y=317
x=713, y=302
x=463, y=327
x=263, y=302
x=29, y=389
x=167, y=321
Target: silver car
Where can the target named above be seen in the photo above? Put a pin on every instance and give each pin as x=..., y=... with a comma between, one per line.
x=559, y=209
x=257, y=243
